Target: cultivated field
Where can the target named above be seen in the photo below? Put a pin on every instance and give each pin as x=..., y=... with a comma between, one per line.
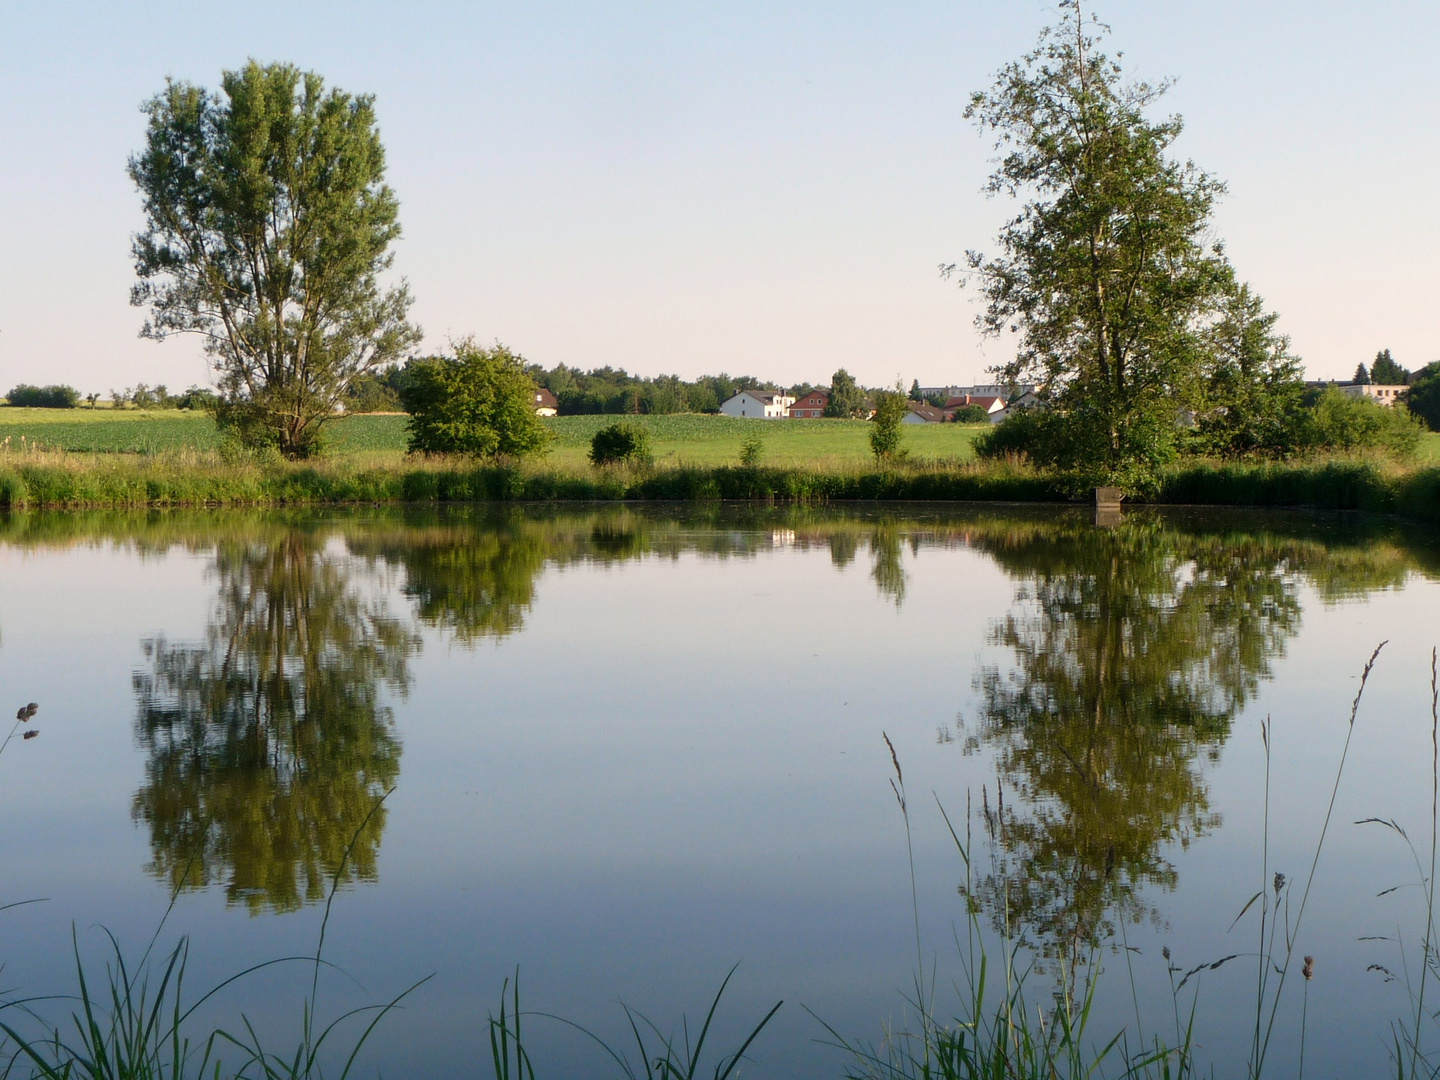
x=685, y=439
x=675, y=440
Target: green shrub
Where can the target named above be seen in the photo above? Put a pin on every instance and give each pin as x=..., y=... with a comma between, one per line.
x=971, y=414
x=1338, y=421
x=26, y=396
x=1019, y=434
x=620, y=443
x=890, y=409
x=752, y=451
x=480, y=402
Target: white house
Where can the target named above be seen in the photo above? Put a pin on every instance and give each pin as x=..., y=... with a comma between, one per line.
x=758, y=404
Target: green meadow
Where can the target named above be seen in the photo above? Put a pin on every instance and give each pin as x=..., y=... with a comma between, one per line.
x=682, y=439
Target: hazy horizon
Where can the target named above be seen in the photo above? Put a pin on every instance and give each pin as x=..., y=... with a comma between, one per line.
x=755, y=190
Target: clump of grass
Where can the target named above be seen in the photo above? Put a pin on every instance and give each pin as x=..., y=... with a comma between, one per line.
x=661, y=1056
x=133, y=1024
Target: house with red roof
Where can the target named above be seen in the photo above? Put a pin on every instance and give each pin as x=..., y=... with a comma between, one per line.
x=811, y=406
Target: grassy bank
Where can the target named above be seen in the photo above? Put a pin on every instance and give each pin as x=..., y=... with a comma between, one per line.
x=193, y=478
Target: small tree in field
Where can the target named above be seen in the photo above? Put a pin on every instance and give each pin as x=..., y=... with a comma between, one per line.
x=267, y=225
x=479, y=402
x=890, y=410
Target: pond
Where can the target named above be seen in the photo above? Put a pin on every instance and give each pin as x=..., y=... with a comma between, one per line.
x=628, y=749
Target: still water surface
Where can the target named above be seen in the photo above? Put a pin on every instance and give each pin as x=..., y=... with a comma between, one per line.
x=629, y=749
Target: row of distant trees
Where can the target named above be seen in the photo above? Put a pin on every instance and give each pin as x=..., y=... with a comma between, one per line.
x=139, y=396
x=609, y=390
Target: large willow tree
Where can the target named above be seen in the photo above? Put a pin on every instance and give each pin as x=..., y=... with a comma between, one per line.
x=1106, y=275
x=267, y=227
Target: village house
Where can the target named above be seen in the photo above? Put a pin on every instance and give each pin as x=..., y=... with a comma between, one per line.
x=811, y=406
x=758, y=404
x=1027, y=400
x=993, y=404
x=545, y=403
x=921, y=413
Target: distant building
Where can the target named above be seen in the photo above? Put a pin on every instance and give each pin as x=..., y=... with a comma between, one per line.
x=920, y=413
x=810, y=406
x=1381, y=394
x=545, y=403
x=758, y=404
x=1000, y=390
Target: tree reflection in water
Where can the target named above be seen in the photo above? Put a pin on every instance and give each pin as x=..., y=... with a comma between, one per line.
x=268, y=742
x=1133, y=650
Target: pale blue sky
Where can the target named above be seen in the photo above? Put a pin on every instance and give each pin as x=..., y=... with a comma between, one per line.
x=759, y=188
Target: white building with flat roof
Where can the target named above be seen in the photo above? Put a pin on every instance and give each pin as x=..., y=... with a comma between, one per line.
x=758, y=405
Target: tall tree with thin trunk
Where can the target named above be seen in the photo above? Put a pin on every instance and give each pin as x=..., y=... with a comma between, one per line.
x=267, y=227
x=1106, y=275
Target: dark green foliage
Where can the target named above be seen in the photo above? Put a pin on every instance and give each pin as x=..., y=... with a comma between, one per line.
x=26, y=396
x=915, y=391
x=620, y=444
x=1362, y=376
x=374, y=391
x=847, y=400
x=1423, y=397
x=480, y=402
x=970, y=414
x=752, y=451
x=1104, y=274
x=1386, y=372
x=1338, y=421
x=268, y=223
x=1253, y=387
x=198, y=398
x=890, y=410
x=615, y=390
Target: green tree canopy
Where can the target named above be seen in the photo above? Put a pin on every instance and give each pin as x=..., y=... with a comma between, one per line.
x=1423, y=397
x=1386, y=371
x=846, y=398
x=1104, y=275
x=1254, y=387
x=1362, y=375
x=267, y=227
x=479, y=401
